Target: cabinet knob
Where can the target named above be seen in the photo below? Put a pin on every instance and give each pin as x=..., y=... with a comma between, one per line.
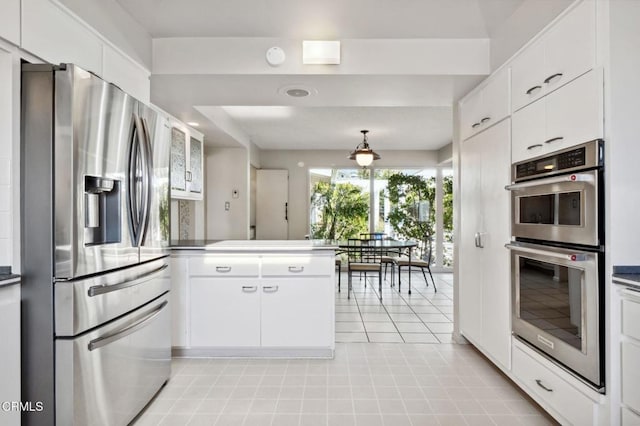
x=249, y=288
x=223, y=269
x=533, y=89
x=296, y=269
x=538, y=145
x=539, y=383
x=484, y=120
x=559, y=138
x=474, y=125
x=270, y=288
x=552, y=77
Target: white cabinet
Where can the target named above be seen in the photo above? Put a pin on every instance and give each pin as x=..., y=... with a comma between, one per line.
x=225, y=312
x=486, y=106
x=551, y=390
x=187, y=163
x=10, y=352
x=50, y=33
x=485, y=303
x=563, y=53
x=126, y=74
x=571, y=115
x=630, y=351
x=629, y=418
x=10, y=21
x=254, y=303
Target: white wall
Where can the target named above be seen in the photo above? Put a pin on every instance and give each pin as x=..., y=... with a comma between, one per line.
x=9, y=139
x=299, y=176
x=227, y=169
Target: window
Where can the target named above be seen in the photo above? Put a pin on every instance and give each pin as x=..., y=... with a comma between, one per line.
x=404, y=203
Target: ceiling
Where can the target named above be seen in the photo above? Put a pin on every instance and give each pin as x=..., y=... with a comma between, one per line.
x=403, y=110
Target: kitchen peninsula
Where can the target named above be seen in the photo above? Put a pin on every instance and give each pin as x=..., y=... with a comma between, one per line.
x=253, y=298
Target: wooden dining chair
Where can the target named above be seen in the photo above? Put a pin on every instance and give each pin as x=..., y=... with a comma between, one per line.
x=363, y=256
x=423, y=262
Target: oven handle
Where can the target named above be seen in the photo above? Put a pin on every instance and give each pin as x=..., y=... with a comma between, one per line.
x=573, y=257
x=577, y=177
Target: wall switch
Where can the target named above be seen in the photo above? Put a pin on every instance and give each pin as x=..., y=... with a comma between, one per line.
x=227, y=205
x=235, y=193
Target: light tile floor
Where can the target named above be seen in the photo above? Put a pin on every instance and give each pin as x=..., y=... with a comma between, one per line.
x=424, y=316
x=367, y=384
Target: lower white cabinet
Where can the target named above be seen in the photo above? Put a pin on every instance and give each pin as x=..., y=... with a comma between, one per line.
x=630, y=354
x=629, y=418
x=551, y=391
x=253, y=303
x=294, y=313
x=224, y=312
x=10, y=351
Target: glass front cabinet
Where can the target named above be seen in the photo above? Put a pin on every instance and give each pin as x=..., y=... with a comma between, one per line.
x=187, y=156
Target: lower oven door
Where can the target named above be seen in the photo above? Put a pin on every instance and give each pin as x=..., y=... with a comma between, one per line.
x=556, y=305
x=106, y=376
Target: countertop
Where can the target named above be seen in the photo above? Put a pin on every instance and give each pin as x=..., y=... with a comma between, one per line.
x=627, y=275
x=253, y=245
x=9, y=279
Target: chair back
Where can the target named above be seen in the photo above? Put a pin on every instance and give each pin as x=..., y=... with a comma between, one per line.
x=427, y=249
x=373, y=236
x=364, y=251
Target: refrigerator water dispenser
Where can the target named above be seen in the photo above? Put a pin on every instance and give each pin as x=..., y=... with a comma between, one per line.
x=101, y=210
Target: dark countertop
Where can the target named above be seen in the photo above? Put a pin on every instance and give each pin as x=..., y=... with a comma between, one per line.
x=628, y=275
x=252, y=245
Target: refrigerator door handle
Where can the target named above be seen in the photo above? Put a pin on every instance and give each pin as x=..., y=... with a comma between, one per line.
x=125, y=331
x=97, y=290
x=147, y=167
x=132, y=187
x=139, y=182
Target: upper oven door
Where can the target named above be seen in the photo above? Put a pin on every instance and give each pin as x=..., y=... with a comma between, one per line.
x=561, y=209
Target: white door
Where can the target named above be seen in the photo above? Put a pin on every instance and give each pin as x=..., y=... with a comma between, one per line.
x=272, y=205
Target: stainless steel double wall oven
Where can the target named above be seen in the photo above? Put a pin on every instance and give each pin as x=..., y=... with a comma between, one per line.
x=557, y=257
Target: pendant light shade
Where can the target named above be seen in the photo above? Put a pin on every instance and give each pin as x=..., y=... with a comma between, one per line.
x=363, y=154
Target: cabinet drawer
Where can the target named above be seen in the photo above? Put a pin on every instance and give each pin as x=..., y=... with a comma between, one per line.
x=629, y=418
x=224, y=266
x=631, y=318
x=631, y=375
x=291, y=266
x=571, y=404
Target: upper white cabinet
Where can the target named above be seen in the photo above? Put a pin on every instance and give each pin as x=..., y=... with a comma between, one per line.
x=486, y=106
x=484, y=261
x=126, y=74
x=563, y=53
x=570, y=116
x=187, y=163
x=10, y=21
x=50, y=33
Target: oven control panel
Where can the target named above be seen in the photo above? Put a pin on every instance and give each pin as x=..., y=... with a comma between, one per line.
x=581, y=157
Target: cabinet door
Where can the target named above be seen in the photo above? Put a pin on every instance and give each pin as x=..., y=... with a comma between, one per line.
x=496, y=213
x=570, y=47
x=178, y=160
x=470, y=115
x=470, y=256
x=195, y=166
x=631, y=375
x=179, y=302
x=297, y=312
x=225, y=312
x=574, y=113
x=527, y=75
x=528, y=131
x=10, y=353
x=495, y=99
x=10, y=21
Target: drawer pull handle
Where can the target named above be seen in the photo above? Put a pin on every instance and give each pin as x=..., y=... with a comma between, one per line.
x=474, y=125
x=270, y=289
x=296, y=269
x=249, y=288
x=538, y=145
x=484, y=120
x=223, y=269
x=559, y=138
x=539, y=383
x=551, y=77
x=533, y=89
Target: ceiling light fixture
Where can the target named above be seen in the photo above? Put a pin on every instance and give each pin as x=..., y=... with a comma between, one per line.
x=317, y=52
x=298, y=92
x=193, y=123
x=363, y=154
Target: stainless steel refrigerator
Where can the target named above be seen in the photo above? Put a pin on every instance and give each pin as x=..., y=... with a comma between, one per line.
x=95, y=231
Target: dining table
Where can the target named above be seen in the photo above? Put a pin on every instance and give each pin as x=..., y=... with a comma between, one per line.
x=383, y=245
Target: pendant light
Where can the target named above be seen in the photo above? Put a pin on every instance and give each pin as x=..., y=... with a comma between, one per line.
x=363, y=154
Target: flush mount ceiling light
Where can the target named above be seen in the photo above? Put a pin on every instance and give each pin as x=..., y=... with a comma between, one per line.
x=297, y=91
x=317, y=52
x=363, y=154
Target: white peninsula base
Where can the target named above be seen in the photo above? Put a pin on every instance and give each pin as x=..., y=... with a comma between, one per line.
x=253, y=299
